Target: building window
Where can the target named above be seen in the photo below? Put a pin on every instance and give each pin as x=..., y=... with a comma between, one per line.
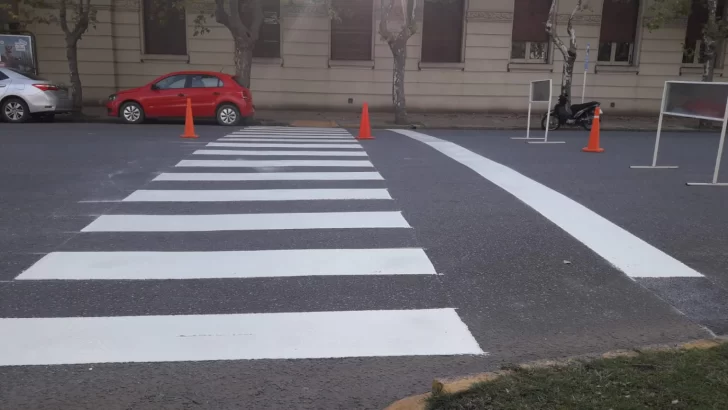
x=530, y=42
x=269, y=36
x=693, y=47
x=442, y=31
x=351, y=30
x=618, y=31
x=165, y=30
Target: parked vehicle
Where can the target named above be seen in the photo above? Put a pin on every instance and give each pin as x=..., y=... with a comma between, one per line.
x=574, y=114
x=213, y=95
x=24, y=96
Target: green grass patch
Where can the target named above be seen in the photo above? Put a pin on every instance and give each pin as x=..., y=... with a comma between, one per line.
x=684, y=379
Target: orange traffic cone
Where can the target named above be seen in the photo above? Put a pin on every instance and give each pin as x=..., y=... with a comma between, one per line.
x=189, y=122
x=365, y=129
x=593, y=145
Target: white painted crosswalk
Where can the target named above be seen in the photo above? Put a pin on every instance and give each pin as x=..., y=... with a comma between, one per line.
x=358, y=205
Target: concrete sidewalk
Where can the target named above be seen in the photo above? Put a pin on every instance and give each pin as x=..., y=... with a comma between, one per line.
x=381, y=120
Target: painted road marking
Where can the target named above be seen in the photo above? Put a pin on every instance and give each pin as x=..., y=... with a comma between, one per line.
x=300, y=335
x=271, y=176
x=296, y=132
x=246, y=222
x=241, y=163
x=281, y=153
x=633, y=256
x=225, y=195
x=292, y=136
x=269, y=145
x=236, y=264
x=284, y=139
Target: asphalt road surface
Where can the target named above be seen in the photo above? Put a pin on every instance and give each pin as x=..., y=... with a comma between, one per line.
x=271, y=268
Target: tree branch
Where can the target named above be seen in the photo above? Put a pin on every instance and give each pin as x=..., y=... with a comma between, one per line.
x=570, y=26
x=552, y=33
x=385, y=7
x=257, y=20
x=63, y=18
x=220, y=14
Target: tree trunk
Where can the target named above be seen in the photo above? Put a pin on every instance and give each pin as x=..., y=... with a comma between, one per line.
x=399, y=52
x=567, y=75
x=76, y=89
x=243, y=59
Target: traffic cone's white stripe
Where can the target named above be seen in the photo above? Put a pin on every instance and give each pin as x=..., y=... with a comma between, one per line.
x=246, y=222
x=236, y=264
x=230, y=195
x=301, y=335
x=280, y=153
x=316, y=140
x=268, y=145
x=271, y=176
x=240, y=163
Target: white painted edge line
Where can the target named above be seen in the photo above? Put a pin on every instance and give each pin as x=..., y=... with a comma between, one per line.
x=280, y=153
x=292, y=145
x=246, y=222
x=271, y=176
x=189, y=338
x=235, y=264
x=297, y=140
x=274, y=163
x=633, y=256
x=231, y=195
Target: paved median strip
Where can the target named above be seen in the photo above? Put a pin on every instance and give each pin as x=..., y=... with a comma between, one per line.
x=231, y=264
x=225, y=195
x=246, y=222
x=298, y=335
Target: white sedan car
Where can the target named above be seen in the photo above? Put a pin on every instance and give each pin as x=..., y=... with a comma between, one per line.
x=24, y=96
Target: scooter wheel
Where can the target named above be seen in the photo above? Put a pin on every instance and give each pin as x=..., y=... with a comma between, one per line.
x=553, y=123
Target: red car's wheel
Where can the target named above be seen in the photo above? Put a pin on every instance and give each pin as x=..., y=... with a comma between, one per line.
x=132, y=113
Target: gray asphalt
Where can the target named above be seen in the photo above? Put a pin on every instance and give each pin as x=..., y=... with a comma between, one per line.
x=501, y=262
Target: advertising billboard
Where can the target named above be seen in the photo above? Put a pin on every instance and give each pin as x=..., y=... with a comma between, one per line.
x=16, y=52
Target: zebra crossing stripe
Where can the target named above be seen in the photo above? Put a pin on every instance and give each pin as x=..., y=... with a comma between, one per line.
x=230, y=195
x=297, y=335
x=271, y=176
x=268, y=145
x=233, y=264
x=292, y=136
x=284, y=139
x=239, y=163
x=280, y=131
x=281, y=153
x=246, y=222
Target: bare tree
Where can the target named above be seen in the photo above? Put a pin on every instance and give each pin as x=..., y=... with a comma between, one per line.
x=74, y=17
x=568, y=52
x=397, y=42
x=714, y=31
x=243, y=18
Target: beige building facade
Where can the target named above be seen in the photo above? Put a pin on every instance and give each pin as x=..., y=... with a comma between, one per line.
x=489, y=72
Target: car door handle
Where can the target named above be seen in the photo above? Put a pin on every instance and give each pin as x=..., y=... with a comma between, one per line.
x=180, y=95
x=216, y=93
x=2, y=85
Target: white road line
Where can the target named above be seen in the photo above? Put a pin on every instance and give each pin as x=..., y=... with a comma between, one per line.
x=633, y=256
x=239, y=163
x=229, y=195
x=268, y=145
x=236, y=264
x=316, y=140
x=280, y=153
x=300, y=335
x=328, y=132
x=274, y=127
x=246, y=222
x=271, y=176
x=296, y=136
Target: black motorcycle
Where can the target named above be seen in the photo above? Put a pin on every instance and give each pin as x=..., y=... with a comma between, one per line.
x=574, y=114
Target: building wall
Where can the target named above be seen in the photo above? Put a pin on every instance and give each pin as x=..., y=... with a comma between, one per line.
x=111, y=58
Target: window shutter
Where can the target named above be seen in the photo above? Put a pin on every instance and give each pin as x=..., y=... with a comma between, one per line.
x=697, y=19
x=165, y=31
x=442, y=31
x=351, y=34
x=529, y=20
x=269, y=36
x=619, y=21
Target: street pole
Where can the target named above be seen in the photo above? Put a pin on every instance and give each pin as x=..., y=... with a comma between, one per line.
x=586, y=69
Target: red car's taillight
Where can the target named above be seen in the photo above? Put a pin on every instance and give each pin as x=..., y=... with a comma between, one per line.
x=46, y=87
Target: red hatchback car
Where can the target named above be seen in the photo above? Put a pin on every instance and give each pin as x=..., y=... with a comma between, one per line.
x=213, y=95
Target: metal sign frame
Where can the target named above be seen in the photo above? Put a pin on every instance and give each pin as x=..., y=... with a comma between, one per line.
x=721, y=143
x=548, y=113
